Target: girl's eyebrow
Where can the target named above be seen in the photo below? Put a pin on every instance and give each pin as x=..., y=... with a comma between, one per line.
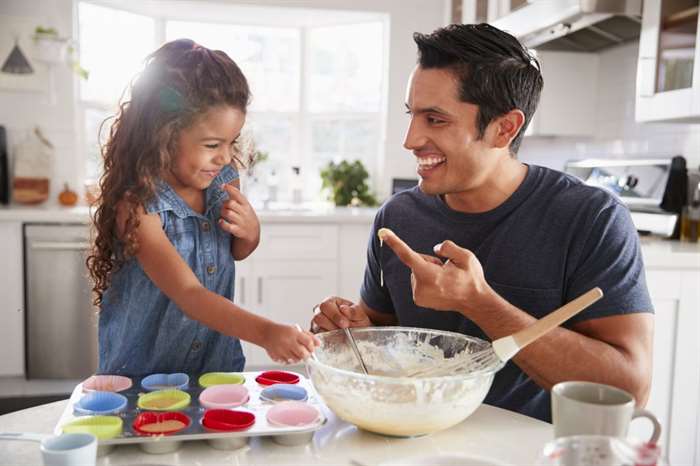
x=218, y=139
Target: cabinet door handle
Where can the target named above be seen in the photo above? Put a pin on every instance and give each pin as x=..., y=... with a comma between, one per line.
x=260, y=290
x=242, y=290
x=60, y=246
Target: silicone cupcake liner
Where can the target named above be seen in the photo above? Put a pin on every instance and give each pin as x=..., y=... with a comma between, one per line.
x=101, y=403
x=176, y=381
x=220, y=378
x=102, y=427
x=164, y=400
x=293, y=414
x=150, y=423
x=224, y=420
x=224, y=396
x=275, y=377
x=283, y=392
x=106, y=383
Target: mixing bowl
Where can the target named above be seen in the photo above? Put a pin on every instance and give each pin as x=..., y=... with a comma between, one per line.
x=387, y=401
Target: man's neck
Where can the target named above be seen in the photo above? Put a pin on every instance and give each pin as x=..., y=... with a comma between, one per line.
x=498, y=186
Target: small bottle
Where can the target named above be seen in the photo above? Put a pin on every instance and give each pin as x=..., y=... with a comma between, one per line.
x=690, y=218
x=296, y=185
x=273, y=182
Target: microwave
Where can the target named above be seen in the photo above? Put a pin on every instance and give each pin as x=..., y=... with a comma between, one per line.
x=653, y=189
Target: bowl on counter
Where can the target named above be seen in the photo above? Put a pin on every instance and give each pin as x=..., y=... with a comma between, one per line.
x=388, y=400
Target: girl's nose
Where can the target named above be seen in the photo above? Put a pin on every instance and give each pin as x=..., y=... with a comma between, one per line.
x=224, y=156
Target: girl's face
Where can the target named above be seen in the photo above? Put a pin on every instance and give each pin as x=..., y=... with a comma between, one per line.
x=204, y=148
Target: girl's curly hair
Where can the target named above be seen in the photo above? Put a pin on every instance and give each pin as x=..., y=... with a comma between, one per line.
x=180, y=81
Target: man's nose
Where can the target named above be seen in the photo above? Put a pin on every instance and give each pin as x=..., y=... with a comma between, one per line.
x=414, y=138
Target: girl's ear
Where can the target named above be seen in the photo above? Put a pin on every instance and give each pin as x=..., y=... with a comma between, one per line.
x=503, y=129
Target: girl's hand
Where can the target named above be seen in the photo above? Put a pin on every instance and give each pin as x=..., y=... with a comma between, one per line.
x=287, y=344
x=238, y=217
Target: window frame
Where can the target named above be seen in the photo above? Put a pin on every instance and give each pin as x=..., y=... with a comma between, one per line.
x=301, y=151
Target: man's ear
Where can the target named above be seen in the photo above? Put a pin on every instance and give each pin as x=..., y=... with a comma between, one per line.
x=503, y=129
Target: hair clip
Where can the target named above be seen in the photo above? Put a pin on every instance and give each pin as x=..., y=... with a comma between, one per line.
x=171, y=100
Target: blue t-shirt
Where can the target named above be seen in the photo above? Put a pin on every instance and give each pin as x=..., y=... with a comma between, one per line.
x=141, y=331
x=552, y=240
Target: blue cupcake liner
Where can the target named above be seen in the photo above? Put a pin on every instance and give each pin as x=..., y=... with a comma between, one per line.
x=176, y=381
x=284, y=392
x=100, y=403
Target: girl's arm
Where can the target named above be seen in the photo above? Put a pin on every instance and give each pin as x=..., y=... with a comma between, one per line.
x=239, y=219
x=173, y=276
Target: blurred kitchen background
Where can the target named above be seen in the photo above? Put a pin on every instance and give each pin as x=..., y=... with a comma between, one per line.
x=620, y=108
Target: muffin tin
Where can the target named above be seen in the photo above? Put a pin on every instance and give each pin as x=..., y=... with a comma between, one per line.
x=173, y=415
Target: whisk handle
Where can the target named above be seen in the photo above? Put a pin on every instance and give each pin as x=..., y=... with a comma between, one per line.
x=507, y=347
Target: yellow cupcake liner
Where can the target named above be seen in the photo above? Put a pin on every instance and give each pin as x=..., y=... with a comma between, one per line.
x=102, y=427
x=164, y=400
x=220, y=378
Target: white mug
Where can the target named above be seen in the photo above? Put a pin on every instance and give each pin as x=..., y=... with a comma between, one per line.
x=587, y=408
x=75, y=449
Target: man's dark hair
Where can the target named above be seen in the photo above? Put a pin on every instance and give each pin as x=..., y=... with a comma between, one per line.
x=494, y=71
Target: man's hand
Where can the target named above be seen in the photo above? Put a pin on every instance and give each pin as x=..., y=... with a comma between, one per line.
x=458, y=284
x=334, y=313
x=238, y=217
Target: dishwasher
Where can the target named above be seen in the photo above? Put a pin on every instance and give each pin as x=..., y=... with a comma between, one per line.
x=61, y=322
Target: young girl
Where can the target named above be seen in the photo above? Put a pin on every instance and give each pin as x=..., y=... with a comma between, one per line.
x=170, y=221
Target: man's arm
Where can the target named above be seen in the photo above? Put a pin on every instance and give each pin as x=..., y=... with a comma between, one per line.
x=615, y=350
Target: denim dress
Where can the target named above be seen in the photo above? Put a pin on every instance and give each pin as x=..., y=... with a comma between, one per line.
x=141, y=331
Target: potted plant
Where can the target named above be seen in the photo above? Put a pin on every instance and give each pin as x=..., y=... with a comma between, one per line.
x=54, y=49
x=347, y=182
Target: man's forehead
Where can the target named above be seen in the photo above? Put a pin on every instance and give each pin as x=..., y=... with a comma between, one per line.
x=433, y=87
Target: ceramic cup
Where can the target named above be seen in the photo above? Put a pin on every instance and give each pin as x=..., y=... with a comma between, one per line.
x=586, y=408
x=77, y=449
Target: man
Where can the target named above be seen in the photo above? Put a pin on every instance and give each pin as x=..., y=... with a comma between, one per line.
x=514, y=241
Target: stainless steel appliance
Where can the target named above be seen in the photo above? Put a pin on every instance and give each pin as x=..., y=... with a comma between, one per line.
x=61, y=326
x=574, y=25
x=640, y=183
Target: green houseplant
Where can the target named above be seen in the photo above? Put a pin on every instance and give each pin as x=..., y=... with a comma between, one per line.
x=347, y=182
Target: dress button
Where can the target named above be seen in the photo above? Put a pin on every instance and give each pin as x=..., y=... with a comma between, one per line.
x=211, y=269
x=196, y=345
x=206, y=226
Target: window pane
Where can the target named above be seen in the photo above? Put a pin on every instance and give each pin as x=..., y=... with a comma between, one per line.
x=269, y=57
x=93, y=122
x=346, y=68
x=111, y=55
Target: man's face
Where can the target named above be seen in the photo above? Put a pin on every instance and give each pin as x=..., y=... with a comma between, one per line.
x=443, y=135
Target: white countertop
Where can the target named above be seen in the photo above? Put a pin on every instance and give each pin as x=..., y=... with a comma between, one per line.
x=52, y=213
x=490, y=432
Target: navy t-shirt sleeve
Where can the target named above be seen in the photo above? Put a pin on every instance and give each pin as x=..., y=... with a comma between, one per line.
x=610, y=259
x=372, y=293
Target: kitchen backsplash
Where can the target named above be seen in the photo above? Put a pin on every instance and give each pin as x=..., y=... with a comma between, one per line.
x=617, y=134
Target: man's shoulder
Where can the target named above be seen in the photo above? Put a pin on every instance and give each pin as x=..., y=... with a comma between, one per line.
x=565, y=191
x=410, y=199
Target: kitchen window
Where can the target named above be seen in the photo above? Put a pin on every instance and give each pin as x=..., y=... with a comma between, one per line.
x=317, y=77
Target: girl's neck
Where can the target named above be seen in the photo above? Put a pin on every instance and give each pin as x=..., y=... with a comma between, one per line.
x=193, y=197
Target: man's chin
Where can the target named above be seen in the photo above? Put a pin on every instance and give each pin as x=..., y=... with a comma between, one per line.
x=428, y=188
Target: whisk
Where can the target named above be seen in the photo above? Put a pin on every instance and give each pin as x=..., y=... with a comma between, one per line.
x=505, y=348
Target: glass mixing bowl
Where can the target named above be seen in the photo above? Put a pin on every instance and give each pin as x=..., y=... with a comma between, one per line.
x=388, y=401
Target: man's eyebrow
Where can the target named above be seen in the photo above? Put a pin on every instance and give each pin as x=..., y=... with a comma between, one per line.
x=428, y=110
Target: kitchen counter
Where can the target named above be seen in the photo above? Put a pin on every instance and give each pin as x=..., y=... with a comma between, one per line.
x=51, y=213
x=490, y=432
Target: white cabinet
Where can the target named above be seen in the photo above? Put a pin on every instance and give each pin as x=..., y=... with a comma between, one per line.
x=486, y=11
x=675, y=391
x=568, y=102
x=11, y=300
x=668, y=70
x=293, y=269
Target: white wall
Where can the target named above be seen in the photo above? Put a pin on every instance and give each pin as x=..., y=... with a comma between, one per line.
x=617, y=135
x=20, y=111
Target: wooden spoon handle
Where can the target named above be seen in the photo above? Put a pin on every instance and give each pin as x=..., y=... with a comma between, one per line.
x=527, y=335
